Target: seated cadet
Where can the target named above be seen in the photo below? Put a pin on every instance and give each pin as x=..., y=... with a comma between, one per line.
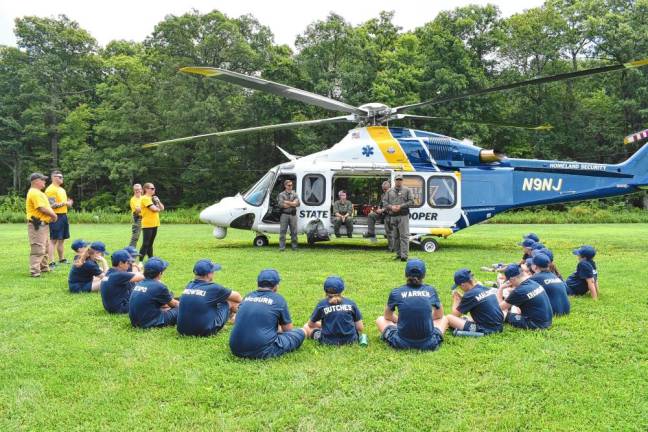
x=263, y=327
x=343, y=213
x=151, y=303
x=552, y=266
x=479, y=301
x=336, y=320
x=531, y=298
x=531, y=236
x=552, y=284
x=85, y=274
x=117, y=286
x=420, y=323
x=134, y=253
x=205, y=306
x=527, y=246
x=585, y=278
x=79, y=246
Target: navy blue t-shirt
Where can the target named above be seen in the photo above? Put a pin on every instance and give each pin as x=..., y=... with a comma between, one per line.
x=534, y=303
x=257, y=320
x=198, y=310
x=556, y=289
x=484, y=308
x=80, y=276
x=338, y=321
x=577, y=281
x=414, y=306
x=116, y=290
x=147, y=298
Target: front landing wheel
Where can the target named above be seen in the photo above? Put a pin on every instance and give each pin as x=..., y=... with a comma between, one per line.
x=429, y=245
x=260, y=241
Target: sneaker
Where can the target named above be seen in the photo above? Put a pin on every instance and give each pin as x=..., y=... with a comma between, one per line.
x=367, y=235
x=35, y=275
x=404, y=259
x=52, y=265
x=63, y=261
x=396, y=258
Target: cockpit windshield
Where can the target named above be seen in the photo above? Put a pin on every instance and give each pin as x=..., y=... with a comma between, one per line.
x=257, y=193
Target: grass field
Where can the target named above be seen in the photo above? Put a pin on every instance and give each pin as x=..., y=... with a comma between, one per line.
x=67, y=365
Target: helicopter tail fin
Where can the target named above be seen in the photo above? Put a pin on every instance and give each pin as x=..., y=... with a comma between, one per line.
x=637, y=164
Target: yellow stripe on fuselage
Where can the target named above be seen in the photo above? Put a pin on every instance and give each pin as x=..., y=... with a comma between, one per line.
x=390, y=148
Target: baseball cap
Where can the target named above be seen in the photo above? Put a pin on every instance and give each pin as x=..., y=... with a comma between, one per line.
x=512, y=270
x=585, y=251
x=99, y=247
x=155, y=264
x=268, y=278
x=37, y=176
x=528, y=262
x=541, y=260
x=415, y=267
x=121, y=256
x=78, y=244
x=545, y=251
x=398, y=177
x=334, y=285
x=531, y=236
x=204, y=267
x=527, y=243
x=132, y=251
x=538, y=246
x=461, y=276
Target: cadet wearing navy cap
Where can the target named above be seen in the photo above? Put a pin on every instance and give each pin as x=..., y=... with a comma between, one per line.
x=527, y=245
x=479, y=301
x=86, y=273
x=205, y=306
x=531, y=236
x=420, y=322
x=531, y=298
x=134, y=253
x=151, y=303
x=552, y=284
x=336, y=320
x=585, y=278
x=78, y=246
x=255, y=333
x=118, y=285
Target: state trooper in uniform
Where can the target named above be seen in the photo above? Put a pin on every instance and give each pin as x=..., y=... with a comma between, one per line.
x=343, y=212
x=288, y=202
x=398, y=200
x=381, y=215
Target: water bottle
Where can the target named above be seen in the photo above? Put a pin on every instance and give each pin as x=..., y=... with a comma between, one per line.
x=462, y=333
x=364, y=340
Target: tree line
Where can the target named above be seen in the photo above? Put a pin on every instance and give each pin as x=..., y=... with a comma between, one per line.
x=68, y=103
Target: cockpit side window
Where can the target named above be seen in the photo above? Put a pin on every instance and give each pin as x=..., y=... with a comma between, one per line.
x=256, y=194
x=313, y=189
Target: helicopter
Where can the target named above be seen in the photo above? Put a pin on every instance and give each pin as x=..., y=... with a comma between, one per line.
x=455, y=183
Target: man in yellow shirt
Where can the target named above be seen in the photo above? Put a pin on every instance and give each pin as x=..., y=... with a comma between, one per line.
x=151, y=208
x=136, y=210
x=39, y=215
x=59, y=230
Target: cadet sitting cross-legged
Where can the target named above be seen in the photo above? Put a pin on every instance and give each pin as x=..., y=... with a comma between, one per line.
x=205, y=306
x=343, y=213
x=151, y=303
x=336, y=320
x=116, y=288
x=420, y=323
x=263, y=327
x=479, y=301
x=531, y=298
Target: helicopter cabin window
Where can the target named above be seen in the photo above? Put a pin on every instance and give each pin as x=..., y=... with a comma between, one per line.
x=255, y=195
x=313, y=189
x=274, y=212
x=363, y=191
x=417, y=185
x=442, y=191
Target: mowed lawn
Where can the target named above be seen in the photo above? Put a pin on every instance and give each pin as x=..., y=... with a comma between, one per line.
x=65, y=364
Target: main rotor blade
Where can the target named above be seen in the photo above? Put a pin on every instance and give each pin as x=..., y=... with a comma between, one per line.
x=291, y=125
x=535, y=81
x=274, y=88
x=543, y=127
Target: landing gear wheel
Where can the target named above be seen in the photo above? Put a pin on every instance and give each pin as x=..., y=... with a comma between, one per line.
x=260, y=241
x=429, y=245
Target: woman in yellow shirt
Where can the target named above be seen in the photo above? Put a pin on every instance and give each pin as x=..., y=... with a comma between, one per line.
x=151, y=206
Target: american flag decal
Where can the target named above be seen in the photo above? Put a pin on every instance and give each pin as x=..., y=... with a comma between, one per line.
x=637, y=136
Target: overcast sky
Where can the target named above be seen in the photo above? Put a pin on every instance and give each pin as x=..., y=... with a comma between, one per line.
x=134, y=20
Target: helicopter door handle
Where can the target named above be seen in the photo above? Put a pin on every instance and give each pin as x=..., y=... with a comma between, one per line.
x=240, y=208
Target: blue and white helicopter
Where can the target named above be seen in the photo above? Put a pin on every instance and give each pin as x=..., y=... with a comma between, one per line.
x=455, y=183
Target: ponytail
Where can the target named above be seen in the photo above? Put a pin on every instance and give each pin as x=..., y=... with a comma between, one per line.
x=414, y=281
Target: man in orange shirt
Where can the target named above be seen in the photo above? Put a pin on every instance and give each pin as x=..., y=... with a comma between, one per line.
x=39, y=215
x=59, y=229
x=136, y=210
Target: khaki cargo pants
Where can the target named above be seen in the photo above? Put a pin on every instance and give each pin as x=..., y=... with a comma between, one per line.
x=39, y=245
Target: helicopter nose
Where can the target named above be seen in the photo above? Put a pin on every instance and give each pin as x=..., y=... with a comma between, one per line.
x=217, y=214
